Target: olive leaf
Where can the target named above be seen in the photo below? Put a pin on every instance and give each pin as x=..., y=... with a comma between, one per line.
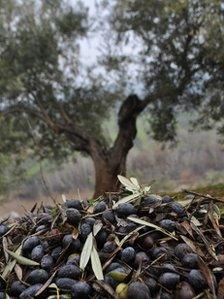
x=21, y=259
x=126, y=199
x=128, y=184
x=96, y=264
x=145, y=223
x=97, y=227
x=10, y=265
x=86, y=252
x=135, y=182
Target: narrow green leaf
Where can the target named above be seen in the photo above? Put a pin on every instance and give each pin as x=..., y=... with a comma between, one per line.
x=126, y=199
x=86, y=252
x=10, y=265
x=96, y=264
x=145, y=223
x=97, y=227
x=21, y=259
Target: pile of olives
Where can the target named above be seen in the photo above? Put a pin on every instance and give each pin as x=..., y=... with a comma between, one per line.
x=153, y=247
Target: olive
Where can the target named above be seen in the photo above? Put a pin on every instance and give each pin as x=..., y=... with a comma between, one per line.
x=141, y=259
x=30, y=243
x=2, y=295
x=56, y=252
x=74, y=244
x=166, y=199
x=109, y=280
x=158, y=251
x=125, y=209
x=16, y=288
x=190, y=260
x=169, y=280
x=47, y=262
x=112, y=267
x=73, y=259
x=168, y=224
x=44, y=218
x=41, y=228
x=109, y=216
x=101, y=238
x=150, y=200
x=127, y=228
x=37, y=253
x=109, y=247
x=121, y=291
x=196, y=280
x=165, y=295
x=178, y=209
x=37, y=276
x=85, y=230
x=138, y=290
x=70, y=271
x=128, y=255
x=81, y=290
x=184, y=291
x=152, y=285
x=73, y=216
x=74, y=203
x=166, y=267
x=65, y=283
x=118, y=274
x=3, y=229
x=100, y=207
x=147, y=243
x=181, y=249
x=31, y=291
x=91, y=221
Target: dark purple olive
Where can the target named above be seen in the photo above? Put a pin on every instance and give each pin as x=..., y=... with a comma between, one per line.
x=85, y=230
x=73, y=216
x=152, y=285
x=166, y=199
x=141, y=259
x=109, y=247
x=165, y=295
x=112, y=267
x=37, y=276
x=101, y=238
x=3, y=229
x=56, y=252
x=158, y=251
x=73, y=259
x=41, y=228
x=128, y=255
x=74, y=203
x=166, y=267
x=169, y=280
x=30, y=243
x=91, y=221
x=31, y=291
x=196, y=280
x=65, y=283
x=185, y=291
x=69, y=271
x=168, y=224
x=109, y=280
x=182, y=249
x=73, y=244
x=81, y=290
x=44, y=219
x=127, y=228
x=150, y=200
x=125, y=209
x=147, y=243
x=190, y=260
x=37, y=253
x=109, y=216
x=138, y=290
x=99, y=207
x=178, y=209
x=16, y=288
x=47, y=262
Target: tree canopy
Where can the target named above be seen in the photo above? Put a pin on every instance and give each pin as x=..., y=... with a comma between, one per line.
x=168, y=52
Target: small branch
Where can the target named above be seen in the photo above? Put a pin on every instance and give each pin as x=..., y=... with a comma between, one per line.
x=202, y=195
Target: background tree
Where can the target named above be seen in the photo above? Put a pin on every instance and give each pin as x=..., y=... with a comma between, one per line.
x=178, y=64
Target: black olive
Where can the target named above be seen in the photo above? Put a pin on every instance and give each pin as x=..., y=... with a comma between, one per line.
x=74, y=203
x=185, y=291
x=65, y=283
x=166, y=295
x=73, y=216
x=3, y=229
x=37, y=276
x=178, y=209
x=181, y=249
x=41, y=228
x=16, y=288
x=150, y=200
x=56, y=252
x=158, y=251
x=125, y=209
x=37, y=253
x=147, y=243
x=30, y=243
x=128, y=255
x=101, y=238
x=127, y=228
x=109, y=280
x=196, y=280
x=109, y=247
x=73, y=259
x=190, y=260
x=91, y=221
x=47, y=262
x=85, y=230
x=100, y=207
x=74, y=244
x=44, y=219
x=81, y=290
x=69, y=271
x=169, y=280
x=109, y=216
x=168, y=224
x=152, y=285
x=166, y=267
x=112, y=267
x=141, y=259
x=138, y=290
x=166, y=199
x=30, y=291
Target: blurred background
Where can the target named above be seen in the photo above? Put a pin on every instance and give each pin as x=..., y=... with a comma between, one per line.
x=67, y=70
